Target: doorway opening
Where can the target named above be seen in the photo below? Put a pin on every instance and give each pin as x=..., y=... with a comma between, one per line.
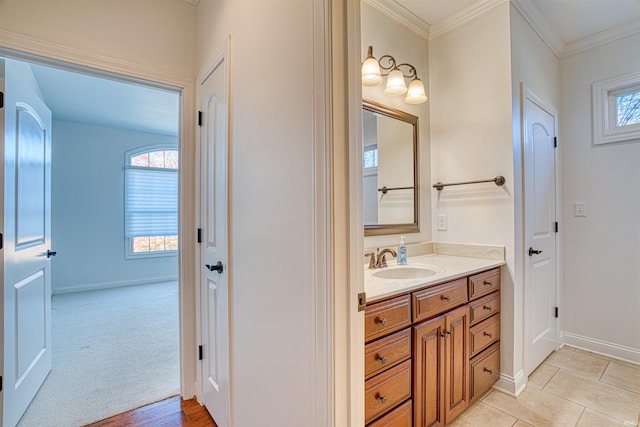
x=114, y=277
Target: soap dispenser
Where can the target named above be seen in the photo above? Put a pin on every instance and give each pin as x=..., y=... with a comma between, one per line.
x=402, y=252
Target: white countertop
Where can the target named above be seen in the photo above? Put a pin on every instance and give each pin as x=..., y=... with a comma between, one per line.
x=448, y=267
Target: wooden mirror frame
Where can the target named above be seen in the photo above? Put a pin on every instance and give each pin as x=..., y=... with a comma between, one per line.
x=382, y=229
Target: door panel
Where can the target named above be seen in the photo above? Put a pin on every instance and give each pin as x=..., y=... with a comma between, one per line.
x=540, y=236
x=214, y=292
x=27, y=228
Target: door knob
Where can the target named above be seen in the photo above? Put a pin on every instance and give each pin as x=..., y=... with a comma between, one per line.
x=533, y=252
x=217, y=267
x=50, y=253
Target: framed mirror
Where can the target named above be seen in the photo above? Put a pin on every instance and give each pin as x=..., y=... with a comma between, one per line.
x=390, y=168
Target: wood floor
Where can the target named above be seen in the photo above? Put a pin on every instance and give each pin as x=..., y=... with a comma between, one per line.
x=167, y=413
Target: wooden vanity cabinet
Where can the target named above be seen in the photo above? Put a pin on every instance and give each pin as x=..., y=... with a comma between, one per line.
x=431, y=352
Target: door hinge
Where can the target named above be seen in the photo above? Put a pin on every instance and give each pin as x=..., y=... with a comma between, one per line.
x=362, y=301
x=199, y=118
x=199, y=235
x=0, y=382
x=556, y=312
x=1, y=241
x=556, y=226
x=1, y=99
x=200, y=351
x=555, y=142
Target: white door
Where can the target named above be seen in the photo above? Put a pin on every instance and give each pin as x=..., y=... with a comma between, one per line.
x=540, y=233
x=214, y=292
x=27, y=240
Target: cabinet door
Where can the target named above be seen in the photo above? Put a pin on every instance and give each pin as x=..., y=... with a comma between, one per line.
x=456, y=382
x=428, y=375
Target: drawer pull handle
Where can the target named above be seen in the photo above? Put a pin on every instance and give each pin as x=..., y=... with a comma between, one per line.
x=488, y=283
x=382, y=359
x=487, y=307
x=383, y=321
x=489, y=371
x=446, y=298
x=488, y=334
x=382, y=399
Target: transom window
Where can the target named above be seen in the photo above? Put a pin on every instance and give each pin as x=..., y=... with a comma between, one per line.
x=151, y=202
x=616, y=109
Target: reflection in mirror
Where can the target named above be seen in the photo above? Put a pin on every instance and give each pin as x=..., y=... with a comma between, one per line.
x=390, y=165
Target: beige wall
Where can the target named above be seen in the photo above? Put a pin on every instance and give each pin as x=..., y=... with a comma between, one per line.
x=471, y=131
x=391, y=38
x=154, y=33
x=601, y=250
x=272, y=205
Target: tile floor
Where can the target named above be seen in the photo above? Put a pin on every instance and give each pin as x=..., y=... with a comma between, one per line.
x=571, y=388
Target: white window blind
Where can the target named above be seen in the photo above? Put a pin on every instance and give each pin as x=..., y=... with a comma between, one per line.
x=151, y=200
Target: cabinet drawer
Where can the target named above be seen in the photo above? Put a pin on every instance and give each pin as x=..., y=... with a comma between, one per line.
x=485, y=370
x=386, y=390
x=438, y=299
x=399, y=417
x=386, y=352
x=485, y=307
x=387, y=316
x=484, y=333
x=484, y=283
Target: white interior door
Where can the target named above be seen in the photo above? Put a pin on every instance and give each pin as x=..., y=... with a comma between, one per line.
x=540, y=234
x=214, y=292
x=27, y=239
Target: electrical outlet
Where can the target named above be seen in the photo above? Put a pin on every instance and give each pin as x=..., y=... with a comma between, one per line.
x=579, y=209
x=442, y=222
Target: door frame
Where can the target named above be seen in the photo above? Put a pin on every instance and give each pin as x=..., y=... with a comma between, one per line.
x=527, y=94
x=24, y=48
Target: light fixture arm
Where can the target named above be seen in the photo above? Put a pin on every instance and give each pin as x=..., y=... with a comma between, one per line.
x=391, y=61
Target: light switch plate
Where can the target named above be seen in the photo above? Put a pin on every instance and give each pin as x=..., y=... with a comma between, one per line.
x=579, y=209
x=442, y=222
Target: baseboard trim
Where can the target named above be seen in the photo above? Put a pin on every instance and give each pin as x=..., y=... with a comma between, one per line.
x=615, y=351
x=110, y=285
x=512, y=386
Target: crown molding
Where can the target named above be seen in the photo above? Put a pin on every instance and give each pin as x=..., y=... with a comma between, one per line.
x=603, y=37
x=402, y=16
x=463, y=16
x=540, y=25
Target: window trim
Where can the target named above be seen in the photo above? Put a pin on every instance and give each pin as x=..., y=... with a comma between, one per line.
x=605, y=130
x=128, y=242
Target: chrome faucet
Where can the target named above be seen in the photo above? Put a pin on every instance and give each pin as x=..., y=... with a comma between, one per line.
x=381, y=262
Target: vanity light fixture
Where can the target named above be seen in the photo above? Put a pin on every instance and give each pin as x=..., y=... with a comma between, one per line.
x=372, y=76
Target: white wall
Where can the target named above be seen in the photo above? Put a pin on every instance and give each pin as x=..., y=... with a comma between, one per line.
x=471, y=139
x=155, y=33
x=391, y=38
x=87, y=204
x=271, y=259
x=601, y=251
x=534, y=64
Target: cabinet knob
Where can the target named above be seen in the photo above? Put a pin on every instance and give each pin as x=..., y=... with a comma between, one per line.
x=382, y=399
x=446, y=298
x=489, y=371
x=488, y=283
x=488, y=334
x=382, y=321
x=382, y=359
x=446, y=334
x=487, y=307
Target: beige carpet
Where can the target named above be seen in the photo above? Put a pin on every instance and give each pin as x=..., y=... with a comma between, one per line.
x=113, y=350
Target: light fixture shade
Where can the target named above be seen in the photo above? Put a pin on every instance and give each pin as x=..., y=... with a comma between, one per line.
x=371, y=72
x=416, y=94
x=395, y=83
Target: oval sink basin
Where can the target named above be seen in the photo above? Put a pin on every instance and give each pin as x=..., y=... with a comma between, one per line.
x=404, y=273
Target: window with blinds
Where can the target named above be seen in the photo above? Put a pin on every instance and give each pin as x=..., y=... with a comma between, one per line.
x=151, y=203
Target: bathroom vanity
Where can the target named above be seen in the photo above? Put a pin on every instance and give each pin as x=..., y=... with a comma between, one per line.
x=432, y=339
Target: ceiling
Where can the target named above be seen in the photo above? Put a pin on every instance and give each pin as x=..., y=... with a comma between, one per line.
x=565, y=25
x=82, y=98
